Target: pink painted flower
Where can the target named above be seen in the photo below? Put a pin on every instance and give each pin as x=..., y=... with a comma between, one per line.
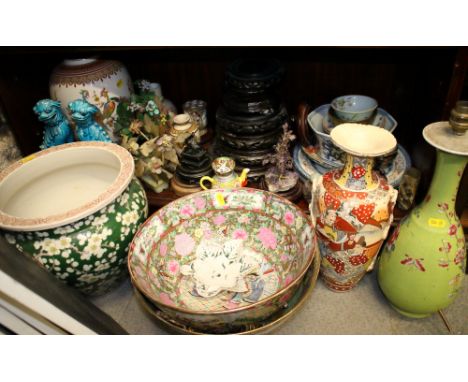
x=139, y=272
x=220, y=219
x=163, y=249
x=165, y=299
x=289, y=218
x=267, y=237
x=173, y=267
x=452, y=230
x=207, y=234
x=231, y=305
x=285, y=298
x=184, y=244
x=284, y=258
x=244, y=219
x=239, y=234
x=187, y=210
x=199, y=203
x=288, y=280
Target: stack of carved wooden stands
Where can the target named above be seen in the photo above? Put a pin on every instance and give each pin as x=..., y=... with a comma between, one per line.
x=248, y=123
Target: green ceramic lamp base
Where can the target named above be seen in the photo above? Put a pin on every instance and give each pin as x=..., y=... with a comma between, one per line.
x=411, y=315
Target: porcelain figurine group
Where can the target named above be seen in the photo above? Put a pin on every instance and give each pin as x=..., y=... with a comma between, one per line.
x=57, y=129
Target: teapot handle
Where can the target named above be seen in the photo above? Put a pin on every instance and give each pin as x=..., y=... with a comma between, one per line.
x=303, y=131
x=209, y=179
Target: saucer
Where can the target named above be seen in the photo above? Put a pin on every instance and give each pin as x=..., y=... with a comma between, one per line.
x=381, y=118
x=309, y=169
x=313, y=154
x=400, y=164
x=329, y=153
x=303, y=165
x=293, y=306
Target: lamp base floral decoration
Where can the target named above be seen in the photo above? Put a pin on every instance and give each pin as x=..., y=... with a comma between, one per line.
x=144, y=123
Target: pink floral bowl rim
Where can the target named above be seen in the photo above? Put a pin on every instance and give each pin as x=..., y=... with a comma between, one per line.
x=313, y=253
x=119, y=184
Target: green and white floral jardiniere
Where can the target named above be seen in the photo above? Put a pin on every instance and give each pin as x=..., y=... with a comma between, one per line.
x=75, y=209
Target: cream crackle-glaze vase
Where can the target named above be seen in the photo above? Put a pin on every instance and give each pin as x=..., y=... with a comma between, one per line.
x=422, y=266
x=352, y=207
x=100, y=82
x=74, y=208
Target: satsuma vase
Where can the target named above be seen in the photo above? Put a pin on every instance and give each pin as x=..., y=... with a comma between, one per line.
x=352, y=207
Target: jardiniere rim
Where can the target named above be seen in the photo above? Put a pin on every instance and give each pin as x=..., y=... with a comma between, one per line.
x=111, y=192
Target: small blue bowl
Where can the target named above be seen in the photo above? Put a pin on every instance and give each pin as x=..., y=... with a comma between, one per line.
x=354, y=108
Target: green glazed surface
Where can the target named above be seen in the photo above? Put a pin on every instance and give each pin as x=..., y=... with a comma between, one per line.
x=423, y=263
x=89, y=254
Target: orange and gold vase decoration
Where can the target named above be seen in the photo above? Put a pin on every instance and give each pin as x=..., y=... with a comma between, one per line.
x=352, y=207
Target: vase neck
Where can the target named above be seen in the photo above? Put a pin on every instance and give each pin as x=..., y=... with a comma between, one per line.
x=446, y=180
x=356, y=174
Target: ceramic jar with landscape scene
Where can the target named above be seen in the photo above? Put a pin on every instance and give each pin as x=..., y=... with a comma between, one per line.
x=352, y=207
x=74, y=208
x=100, y=82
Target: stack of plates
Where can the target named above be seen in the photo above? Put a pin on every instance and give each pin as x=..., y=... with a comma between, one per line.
x=309, y=163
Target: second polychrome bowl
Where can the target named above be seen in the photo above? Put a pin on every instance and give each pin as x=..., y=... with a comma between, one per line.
x=222, y=257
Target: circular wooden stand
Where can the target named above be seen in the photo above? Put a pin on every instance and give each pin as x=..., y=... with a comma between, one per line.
x=183, y=189
x=293, y=195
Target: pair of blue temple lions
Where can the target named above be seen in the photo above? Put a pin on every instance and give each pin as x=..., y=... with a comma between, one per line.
x=57, y=129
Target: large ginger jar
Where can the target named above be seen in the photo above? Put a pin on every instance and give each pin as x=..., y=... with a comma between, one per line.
x=352, y=207
x=74, y=208
x=101, y=82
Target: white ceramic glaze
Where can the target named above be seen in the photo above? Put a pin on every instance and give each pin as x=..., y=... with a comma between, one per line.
x=325, y=148
x=62, y=184
x=442, y=136
x=222, y=265
x=363, y=140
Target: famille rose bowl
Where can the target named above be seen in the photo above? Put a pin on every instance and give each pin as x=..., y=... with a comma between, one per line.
x=222, y=258
x=75, y=209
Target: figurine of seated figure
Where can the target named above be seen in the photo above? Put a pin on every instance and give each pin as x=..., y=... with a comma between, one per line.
x=57, y=130
x=87, y=129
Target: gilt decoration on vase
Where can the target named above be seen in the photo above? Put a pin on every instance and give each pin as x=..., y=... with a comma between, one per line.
x=352, y=207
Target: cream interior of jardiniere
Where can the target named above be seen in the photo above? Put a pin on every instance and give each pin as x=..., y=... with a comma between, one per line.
x=58, y=182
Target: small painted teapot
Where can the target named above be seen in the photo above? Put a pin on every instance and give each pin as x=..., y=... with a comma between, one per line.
x=225, y=177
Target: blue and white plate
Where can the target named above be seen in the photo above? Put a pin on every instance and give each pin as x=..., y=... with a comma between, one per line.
x=326, y=153
x=309, y=170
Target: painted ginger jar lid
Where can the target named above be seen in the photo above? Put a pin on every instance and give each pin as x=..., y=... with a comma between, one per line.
x=441, y=136
x=62, y=184
x=363, y=140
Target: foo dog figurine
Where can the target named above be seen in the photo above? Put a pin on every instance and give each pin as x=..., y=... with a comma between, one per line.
x=87, y=129
x=57, y=130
